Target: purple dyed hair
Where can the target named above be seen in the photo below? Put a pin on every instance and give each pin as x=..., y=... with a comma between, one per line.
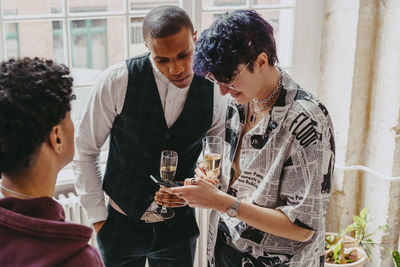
x=234, y=38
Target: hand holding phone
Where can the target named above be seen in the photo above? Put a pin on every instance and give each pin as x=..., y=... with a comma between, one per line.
x=160, y=181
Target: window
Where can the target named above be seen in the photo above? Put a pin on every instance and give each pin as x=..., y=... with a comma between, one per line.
x=279, y=13
x=89, y=44
x=58, y=41
x=12, y=40
x=89, y=36
x=136, y=42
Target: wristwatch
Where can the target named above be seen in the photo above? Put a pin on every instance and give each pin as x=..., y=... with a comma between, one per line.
x=233, y=211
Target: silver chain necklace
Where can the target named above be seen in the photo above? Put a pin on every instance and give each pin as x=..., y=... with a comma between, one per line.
x=266, y=102
x=14, y=192
x=269, y=98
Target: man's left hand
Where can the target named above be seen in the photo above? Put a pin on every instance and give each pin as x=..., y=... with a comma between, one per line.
x=168, y=200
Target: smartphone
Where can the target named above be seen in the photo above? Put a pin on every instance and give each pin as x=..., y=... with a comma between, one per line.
x=160, y=181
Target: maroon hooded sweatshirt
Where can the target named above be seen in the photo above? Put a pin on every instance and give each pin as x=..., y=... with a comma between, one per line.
x=33, y=232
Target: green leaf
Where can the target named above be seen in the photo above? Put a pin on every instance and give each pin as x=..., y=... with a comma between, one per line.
x=336, y=252
x=330, y=238
x=368, y=251
x=359, y=221
x=349, y=228
x=380, y=228
x=396, y=258
x=363, y=212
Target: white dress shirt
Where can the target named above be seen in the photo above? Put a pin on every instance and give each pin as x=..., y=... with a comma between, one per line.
x=105, y=103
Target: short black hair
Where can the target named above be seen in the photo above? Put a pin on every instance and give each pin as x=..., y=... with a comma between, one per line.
x=165, y=21
x=35, y=96
x=232, y=39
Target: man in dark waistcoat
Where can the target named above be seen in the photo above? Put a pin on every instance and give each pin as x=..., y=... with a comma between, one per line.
x=145, y=105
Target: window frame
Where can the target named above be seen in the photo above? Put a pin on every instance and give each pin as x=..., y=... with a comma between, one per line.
x=305, y=54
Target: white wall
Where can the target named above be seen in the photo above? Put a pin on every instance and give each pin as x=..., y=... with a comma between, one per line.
x=359, y=81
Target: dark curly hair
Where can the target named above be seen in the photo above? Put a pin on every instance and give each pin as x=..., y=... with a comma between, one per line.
x=234, y=38
x=35, y=96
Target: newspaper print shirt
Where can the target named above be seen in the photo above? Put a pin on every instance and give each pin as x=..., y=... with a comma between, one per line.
x=287, y=163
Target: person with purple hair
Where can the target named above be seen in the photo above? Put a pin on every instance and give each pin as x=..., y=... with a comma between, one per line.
x=279, y=152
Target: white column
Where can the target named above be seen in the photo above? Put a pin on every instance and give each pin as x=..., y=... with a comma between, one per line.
x=335, y=90
x=382, y=151
x=360, y=85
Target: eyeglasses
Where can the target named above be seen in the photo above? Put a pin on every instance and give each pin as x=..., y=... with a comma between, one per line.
x=230, y=85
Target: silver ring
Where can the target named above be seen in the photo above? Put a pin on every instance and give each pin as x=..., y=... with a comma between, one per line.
x=193, y=181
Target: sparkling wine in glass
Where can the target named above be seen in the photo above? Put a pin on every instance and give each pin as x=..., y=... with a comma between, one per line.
x=168, y=172
x=212, y=156
x=168, y=165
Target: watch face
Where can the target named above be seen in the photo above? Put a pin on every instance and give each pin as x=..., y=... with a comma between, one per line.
x=232, y=212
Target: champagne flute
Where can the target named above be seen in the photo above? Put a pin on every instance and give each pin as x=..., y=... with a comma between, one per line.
x=212, y=156
x=168, y=165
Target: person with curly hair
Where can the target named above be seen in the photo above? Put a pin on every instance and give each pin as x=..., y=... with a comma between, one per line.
x=278, y=157
x=36, y=142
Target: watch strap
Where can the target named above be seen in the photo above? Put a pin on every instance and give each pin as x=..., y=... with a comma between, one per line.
x=233, y=211
x=236, y=204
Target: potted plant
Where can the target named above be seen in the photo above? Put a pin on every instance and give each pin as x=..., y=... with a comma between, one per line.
x=344, y=250
x=347, y=251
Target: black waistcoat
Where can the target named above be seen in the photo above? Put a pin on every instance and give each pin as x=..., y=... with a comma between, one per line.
x=140, y=133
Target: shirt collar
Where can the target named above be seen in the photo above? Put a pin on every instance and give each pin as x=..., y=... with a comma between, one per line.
x=278, y=112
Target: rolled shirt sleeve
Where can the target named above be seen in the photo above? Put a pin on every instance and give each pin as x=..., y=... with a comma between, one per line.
x=104, y=105
x=305, y=184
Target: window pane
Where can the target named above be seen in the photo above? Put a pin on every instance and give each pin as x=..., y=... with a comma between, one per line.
x=208, y=18
x=58, y=41
x=136, y=42
x=12, y=40
x=150, y=4
x=273, y=2
x=79, y=6
x=95, y=45
x=224, y=3
x=35, y=39
x=29, y=7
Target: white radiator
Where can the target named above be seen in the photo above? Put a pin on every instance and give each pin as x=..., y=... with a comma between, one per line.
x=74, y=212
